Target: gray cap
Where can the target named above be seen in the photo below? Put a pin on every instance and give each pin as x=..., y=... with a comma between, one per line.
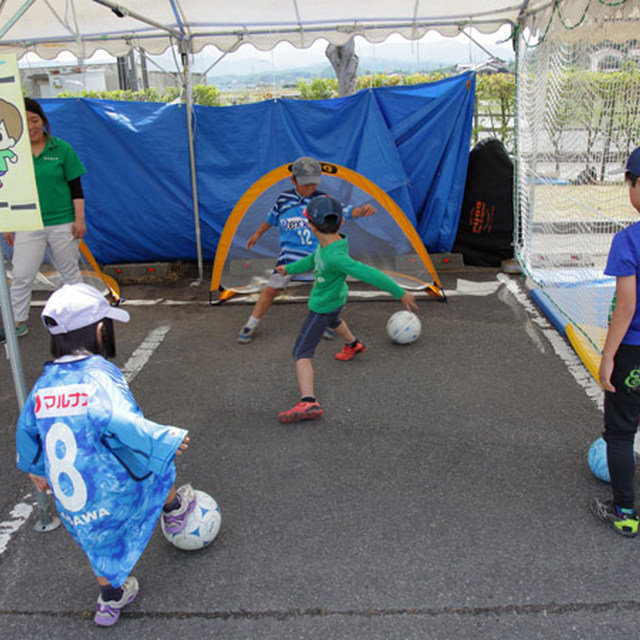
x=306, y=171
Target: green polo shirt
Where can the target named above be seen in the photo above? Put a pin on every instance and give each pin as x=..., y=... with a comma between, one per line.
x=55, y=167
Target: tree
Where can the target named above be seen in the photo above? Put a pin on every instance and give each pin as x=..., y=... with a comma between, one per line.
x=344, y=61
x=319, y=89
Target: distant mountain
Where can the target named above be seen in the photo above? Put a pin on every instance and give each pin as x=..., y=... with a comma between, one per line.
x=396, y=57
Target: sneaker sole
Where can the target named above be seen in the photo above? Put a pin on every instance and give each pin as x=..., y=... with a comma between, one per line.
x=299, y=417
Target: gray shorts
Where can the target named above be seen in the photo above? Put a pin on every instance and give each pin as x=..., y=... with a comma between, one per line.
x=278, y=281
x=313, y=328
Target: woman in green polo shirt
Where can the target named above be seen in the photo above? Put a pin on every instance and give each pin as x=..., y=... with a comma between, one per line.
x=58, y=170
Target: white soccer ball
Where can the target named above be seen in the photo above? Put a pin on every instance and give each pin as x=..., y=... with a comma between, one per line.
x=203, y=524
x=404, y=327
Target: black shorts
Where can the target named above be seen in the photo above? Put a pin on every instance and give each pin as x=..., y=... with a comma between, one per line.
x=313, y=328
x=622, y=408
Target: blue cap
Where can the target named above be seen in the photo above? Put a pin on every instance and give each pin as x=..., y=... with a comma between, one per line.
x=633, y=163
x=322, y=207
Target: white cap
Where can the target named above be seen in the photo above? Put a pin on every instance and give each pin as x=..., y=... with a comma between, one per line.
x=74, y=306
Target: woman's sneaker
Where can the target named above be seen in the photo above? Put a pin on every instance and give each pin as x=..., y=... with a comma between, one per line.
x=302, y=411
x=22, y=329
x=175, y=521
x=624, y=522
x=108, y=613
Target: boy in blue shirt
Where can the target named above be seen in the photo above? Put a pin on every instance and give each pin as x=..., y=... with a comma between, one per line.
x=619, y=372
x=331, y=264
x=296, y=239
x=81, y=433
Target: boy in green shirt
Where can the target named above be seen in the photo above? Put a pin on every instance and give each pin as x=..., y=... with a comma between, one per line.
x=331, y=265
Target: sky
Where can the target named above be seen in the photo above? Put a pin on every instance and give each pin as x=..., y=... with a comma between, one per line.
x=247, y=59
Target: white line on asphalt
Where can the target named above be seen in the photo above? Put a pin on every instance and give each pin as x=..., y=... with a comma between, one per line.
x=19, y=515
x=141, y=355
x=557, y=342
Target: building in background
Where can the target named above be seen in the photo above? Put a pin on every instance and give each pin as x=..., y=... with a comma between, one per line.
x=47, y=79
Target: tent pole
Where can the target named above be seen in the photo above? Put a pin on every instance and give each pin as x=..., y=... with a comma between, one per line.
x=192, y=158
x=19, y=13
x=13, y=353
x=45, y=521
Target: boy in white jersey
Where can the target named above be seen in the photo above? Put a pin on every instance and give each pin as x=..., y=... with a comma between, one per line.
x=81, y=433
x=296, y=239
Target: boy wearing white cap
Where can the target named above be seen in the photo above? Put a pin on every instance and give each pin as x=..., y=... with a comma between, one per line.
x=296, y=239
x=82, y=434
x=620, y=369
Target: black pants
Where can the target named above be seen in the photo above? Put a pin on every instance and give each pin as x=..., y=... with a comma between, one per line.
x=621, y=415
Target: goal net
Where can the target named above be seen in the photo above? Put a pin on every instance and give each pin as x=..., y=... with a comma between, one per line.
x=578, y=118
x=386, y=240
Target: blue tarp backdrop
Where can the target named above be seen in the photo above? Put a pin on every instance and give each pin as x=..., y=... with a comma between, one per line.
x=412, y=141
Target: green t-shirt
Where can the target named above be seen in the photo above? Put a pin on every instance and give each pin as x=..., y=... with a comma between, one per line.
x=55, y=167
x=331, y=265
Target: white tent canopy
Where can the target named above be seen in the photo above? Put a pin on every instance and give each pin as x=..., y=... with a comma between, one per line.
x=47, y=27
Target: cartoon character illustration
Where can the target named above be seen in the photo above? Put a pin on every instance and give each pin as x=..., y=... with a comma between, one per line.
x=11, y=128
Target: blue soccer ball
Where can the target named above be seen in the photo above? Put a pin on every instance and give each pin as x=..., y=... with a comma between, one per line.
x=598, y=460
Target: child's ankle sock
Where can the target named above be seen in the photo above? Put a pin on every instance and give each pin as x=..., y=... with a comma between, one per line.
x=352, y=344
x=252, y=322
x=110, y=594
x=622, y=512
x=173, y=505
x=308, y=399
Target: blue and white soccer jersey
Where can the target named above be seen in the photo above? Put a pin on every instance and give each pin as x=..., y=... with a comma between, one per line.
x=109, y=468
x=287, y=215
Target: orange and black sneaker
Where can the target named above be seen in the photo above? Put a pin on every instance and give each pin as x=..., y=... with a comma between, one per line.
x=302, y=411
x=349, y=352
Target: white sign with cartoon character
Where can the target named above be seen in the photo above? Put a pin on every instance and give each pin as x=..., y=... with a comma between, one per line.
x=19, y=206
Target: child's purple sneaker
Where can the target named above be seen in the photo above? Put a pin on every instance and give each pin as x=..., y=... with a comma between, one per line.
x=175, y=521
x=108, y=613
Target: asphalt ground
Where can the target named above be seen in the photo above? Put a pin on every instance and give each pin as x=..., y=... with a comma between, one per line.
x=444, y=494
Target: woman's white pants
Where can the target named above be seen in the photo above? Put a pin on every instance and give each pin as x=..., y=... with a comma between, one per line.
x=28, y=253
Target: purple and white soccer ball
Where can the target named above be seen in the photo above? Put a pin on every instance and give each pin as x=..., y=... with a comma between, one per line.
x=404, y=327
x=203, y=525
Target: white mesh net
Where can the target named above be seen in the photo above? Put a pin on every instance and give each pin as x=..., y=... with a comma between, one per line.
x=578, y=102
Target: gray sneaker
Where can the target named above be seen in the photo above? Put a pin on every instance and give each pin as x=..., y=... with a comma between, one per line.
x=175, y=521
x=108, y=613
x=246, y=335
